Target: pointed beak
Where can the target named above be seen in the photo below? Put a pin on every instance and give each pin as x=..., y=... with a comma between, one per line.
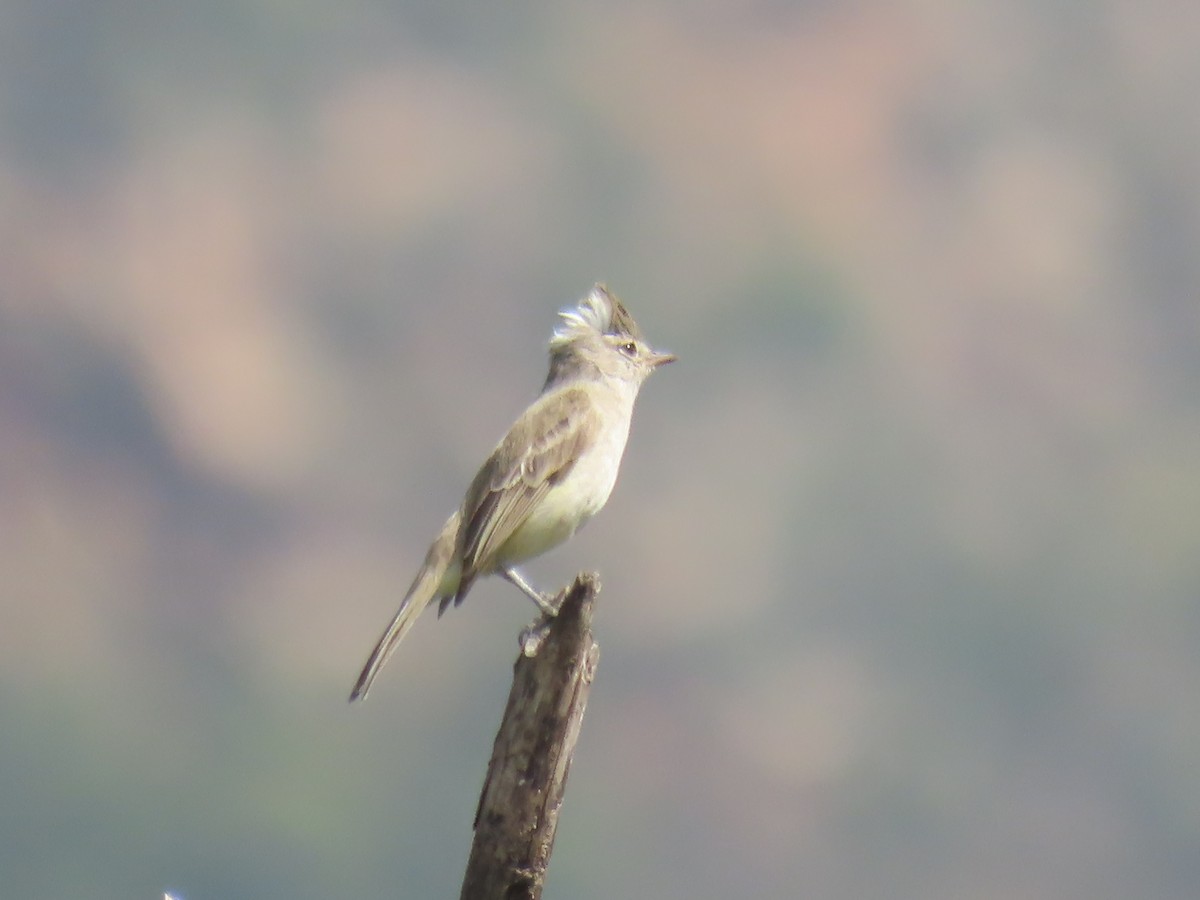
x=661, y=359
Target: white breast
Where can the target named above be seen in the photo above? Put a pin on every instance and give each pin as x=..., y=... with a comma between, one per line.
x=581, y=494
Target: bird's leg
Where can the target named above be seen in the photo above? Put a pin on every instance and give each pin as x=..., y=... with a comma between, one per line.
x=544, y=602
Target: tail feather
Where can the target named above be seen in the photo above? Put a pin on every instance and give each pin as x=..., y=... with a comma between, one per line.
x=425, y=587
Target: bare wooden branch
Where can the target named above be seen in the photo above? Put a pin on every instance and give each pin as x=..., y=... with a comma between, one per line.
x=522, y=794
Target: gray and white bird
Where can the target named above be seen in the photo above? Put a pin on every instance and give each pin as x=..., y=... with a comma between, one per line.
x=552, y=472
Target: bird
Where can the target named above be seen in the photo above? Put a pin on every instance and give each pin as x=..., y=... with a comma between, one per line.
x=552, y=471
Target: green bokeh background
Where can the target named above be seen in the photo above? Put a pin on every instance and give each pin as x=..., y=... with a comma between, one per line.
x=902, y=576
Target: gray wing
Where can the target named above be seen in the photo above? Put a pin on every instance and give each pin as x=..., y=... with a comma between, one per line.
x=537, y=453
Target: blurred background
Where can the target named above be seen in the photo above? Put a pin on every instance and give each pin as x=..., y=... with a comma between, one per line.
x=902, y=576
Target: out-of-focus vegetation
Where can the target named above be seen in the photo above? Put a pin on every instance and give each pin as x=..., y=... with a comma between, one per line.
x=902, y=577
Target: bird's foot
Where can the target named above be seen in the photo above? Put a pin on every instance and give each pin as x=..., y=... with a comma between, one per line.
x=534, y=635
x=547, y=603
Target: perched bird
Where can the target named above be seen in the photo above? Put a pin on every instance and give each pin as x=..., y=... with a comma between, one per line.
x=551, y=473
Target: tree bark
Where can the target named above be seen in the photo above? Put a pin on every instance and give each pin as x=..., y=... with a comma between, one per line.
x=523, y=792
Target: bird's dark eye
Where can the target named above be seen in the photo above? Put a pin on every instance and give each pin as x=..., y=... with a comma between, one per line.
x=629, y=348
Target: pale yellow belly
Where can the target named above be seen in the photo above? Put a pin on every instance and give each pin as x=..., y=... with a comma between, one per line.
x=568, y=505
x=554, y=520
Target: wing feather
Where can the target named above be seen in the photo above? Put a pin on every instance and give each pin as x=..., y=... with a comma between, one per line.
x=538, y=452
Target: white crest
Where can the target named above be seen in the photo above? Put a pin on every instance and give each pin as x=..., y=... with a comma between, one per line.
x=593, y=315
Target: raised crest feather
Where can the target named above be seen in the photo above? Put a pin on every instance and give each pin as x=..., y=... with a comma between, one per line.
x=600, y=312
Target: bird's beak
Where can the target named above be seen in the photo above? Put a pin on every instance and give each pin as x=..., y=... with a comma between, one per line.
x=661, y=359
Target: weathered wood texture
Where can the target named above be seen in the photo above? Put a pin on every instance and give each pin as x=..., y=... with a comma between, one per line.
x=523, y=792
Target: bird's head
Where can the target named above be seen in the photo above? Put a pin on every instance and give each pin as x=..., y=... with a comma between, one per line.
x=599, y=338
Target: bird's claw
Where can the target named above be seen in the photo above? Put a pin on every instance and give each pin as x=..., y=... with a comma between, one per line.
x=533, y=636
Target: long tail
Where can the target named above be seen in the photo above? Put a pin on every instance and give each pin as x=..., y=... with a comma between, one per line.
x=425, y=587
